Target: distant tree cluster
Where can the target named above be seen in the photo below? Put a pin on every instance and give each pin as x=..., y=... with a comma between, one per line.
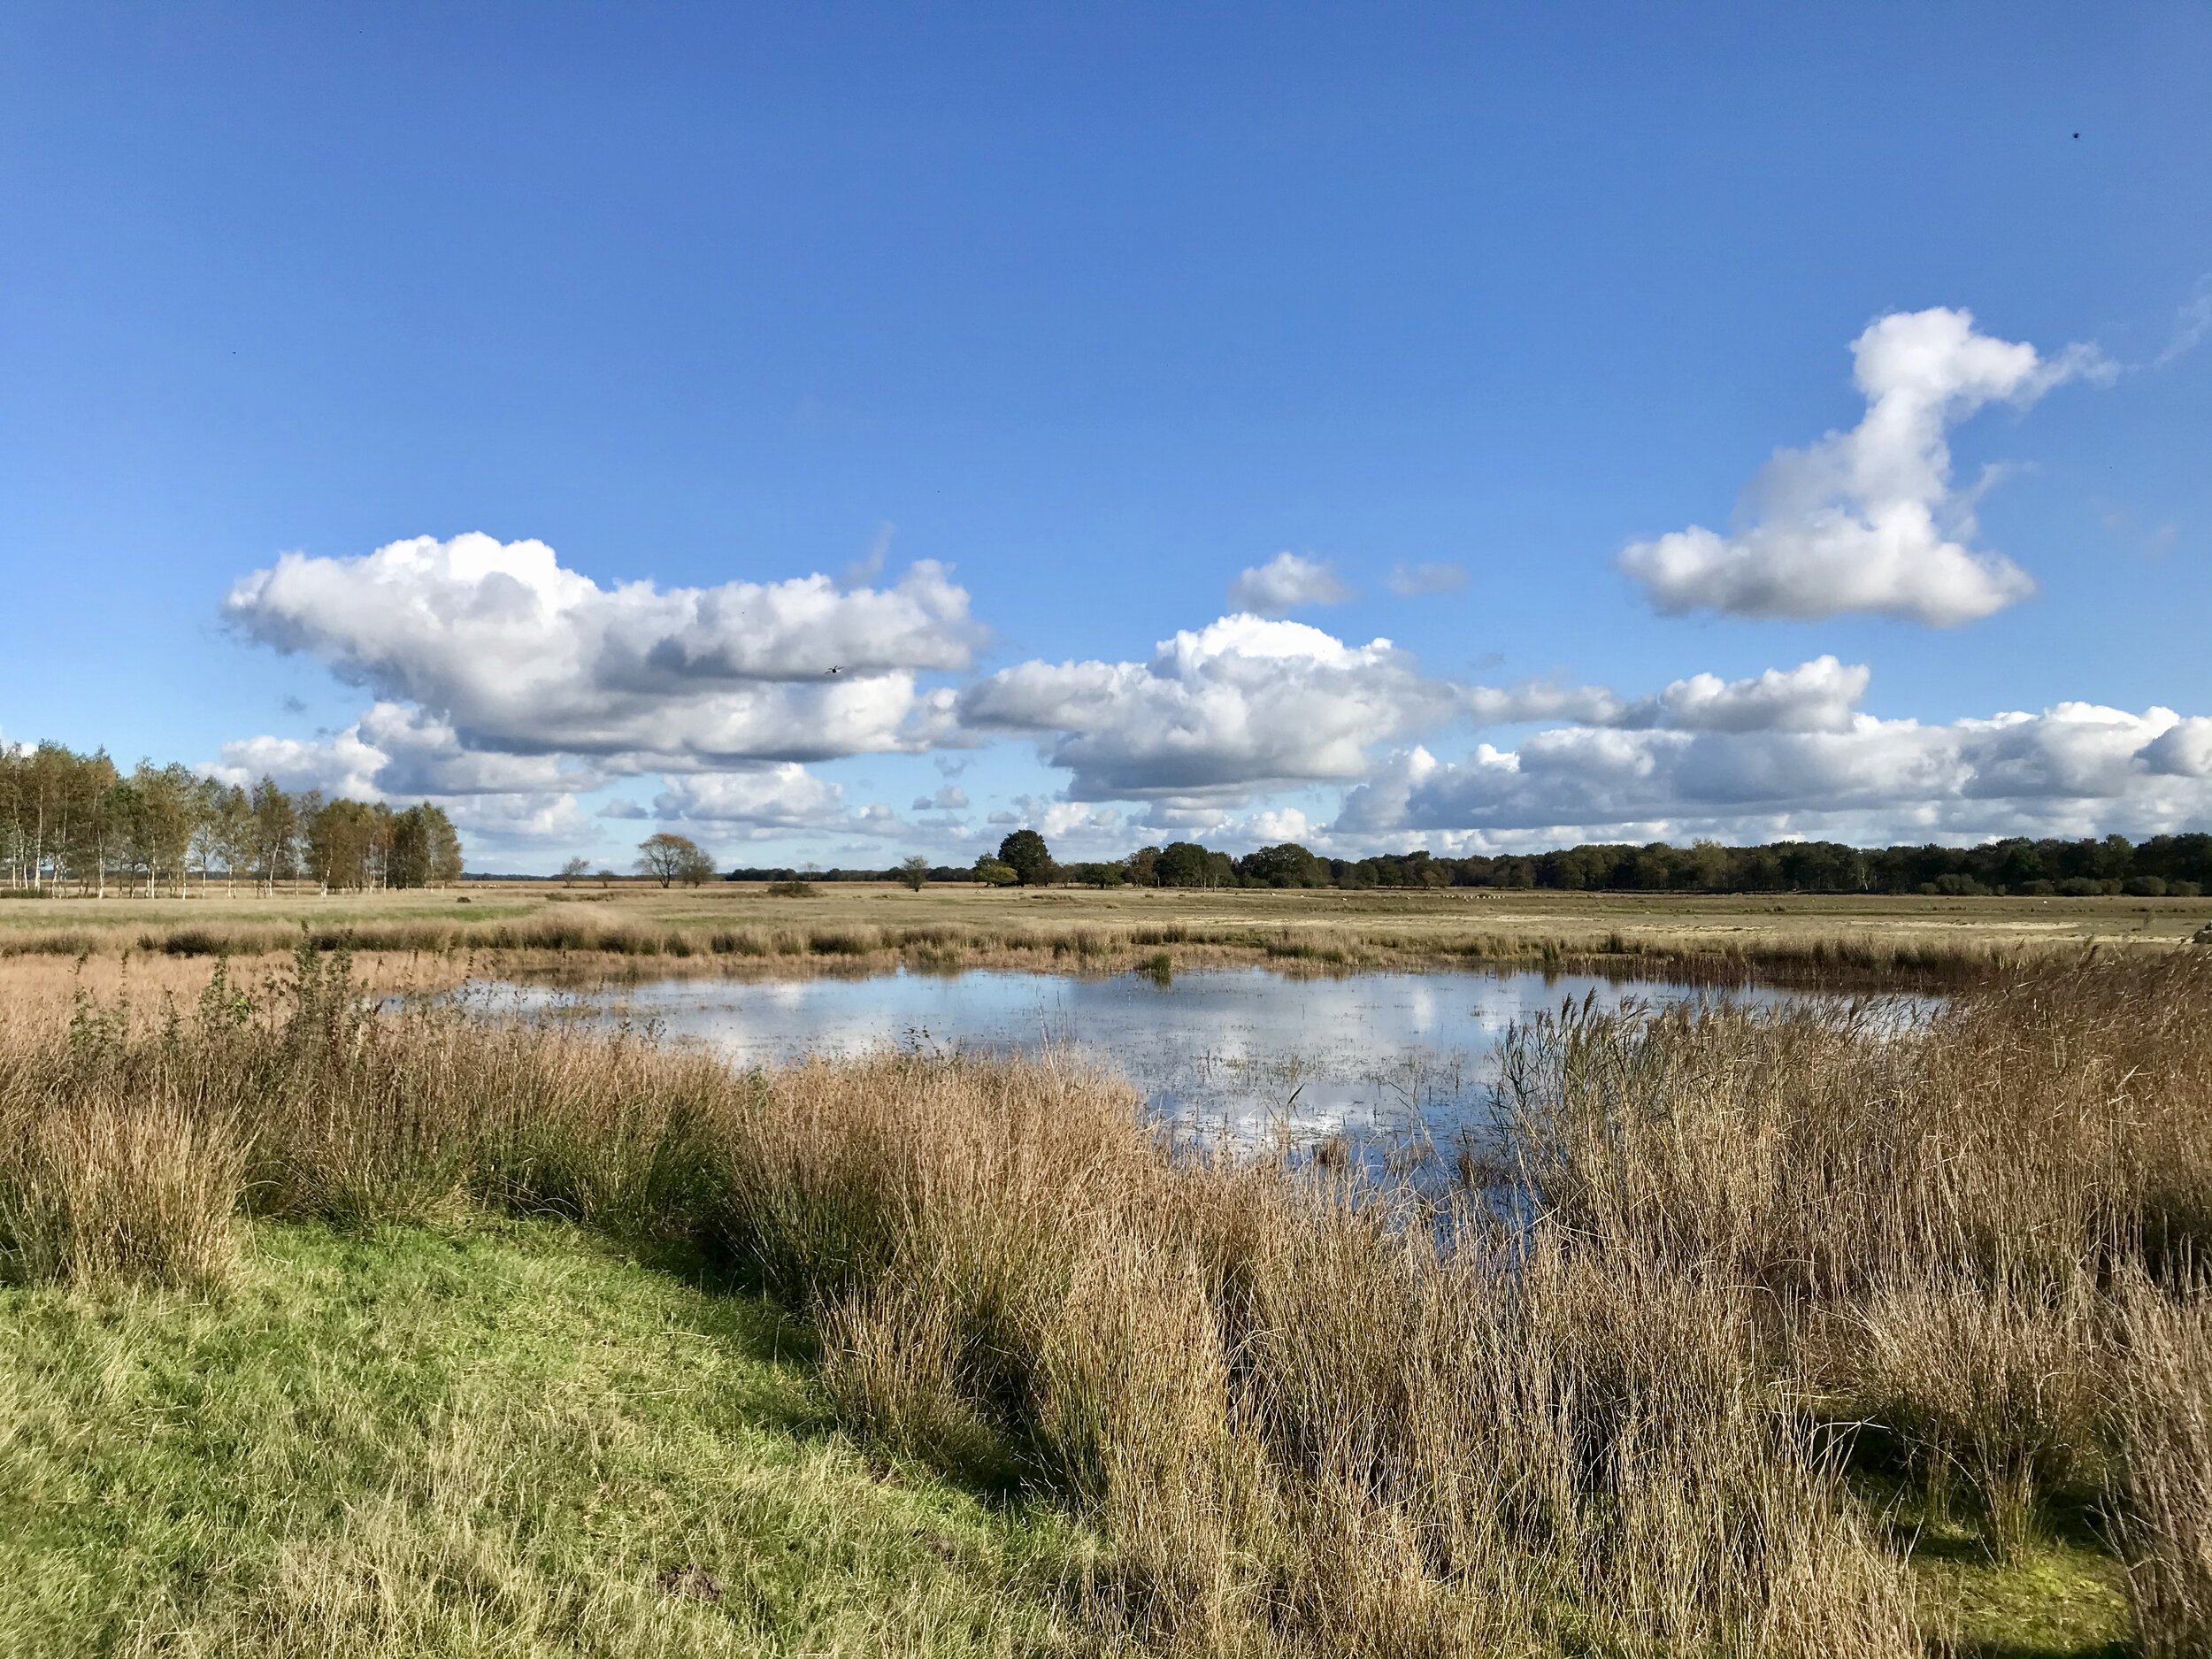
x=932, y=873
x=72, y=822
x=2176, y=866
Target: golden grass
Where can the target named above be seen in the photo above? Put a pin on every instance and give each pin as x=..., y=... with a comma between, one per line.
x=1749, y=1263
x=588, y=932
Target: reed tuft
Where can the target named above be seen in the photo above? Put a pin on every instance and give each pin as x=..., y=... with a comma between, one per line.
x=105, y=1190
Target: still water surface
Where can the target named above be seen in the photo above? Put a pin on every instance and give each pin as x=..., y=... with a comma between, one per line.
x=1250, y=1054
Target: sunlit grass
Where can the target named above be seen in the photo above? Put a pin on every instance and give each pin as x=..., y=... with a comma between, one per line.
x=499, y=1439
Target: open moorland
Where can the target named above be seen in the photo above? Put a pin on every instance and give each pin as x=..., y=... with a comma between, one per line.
x=625, y=927
x=1777, y=1331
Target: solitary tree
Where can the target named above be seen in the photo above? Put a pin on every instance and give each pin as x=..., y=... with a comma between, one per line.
x=914, y=870
x=668, y=857
x=1025, y=854
x=574, y=871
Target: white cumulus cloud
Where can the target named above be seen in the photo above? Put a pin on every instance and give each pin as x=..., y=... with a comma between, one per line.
x=1288, y=581
x=1868, y=520
x=400, y=754
x=1224, y=712
x=517, y=653
x=1540, y=700
x=2074, y=768
x=2183, y=750
x=1814, y=696
x=394, y=752
x=763, y=799
x=1217, y=711
x=1275, y=825
x=342, y=763
x=1817, y=696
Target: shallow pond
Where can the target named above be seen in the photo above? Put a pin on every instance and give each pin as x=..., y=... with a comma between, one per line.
x=1382, y=1058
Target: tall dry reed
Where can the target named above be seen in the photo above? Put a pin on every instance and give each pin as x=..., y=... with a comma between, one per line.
x=2166, y=1405
x=1932, y=1207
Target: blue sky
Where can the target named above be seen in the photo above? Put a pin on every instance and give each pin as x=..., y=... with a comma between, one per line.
x=1076, y=313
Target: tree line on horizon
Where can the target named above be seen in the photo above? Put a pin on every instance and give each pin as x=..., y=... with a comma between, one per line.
x=73, y=821
x=77, y=822
x=2177, y=866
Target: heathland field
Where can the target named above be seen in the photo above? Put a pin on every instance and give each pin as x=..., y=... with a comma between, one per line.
x=727, y=927
x=1786, y=1333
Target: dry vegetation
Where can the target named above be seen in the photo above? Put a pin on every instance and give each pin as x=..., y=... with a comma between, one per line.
x=1745, y=1314
x=588, y=933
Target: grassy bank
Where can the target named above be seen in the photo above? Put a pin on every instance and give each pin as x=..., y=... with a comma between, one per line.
x=494, y=1439
x=1800, y=1338
x=585, y=934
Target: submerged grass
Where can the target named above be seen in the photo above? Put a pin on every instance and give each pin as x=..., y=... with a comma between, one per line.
x=1797, y=1332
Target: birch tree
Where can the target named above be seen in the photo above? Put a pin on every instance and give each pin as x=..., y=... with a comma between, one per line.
x=275, y=821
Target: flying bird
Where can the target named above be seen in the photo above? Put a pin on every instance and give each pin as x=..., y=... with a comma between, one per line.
x=838, y=670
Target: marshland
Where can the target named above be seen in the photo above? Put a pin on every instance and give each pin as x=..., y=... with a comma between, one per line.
x=342, y=1318
x=1105, y=831
x=592, y=927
